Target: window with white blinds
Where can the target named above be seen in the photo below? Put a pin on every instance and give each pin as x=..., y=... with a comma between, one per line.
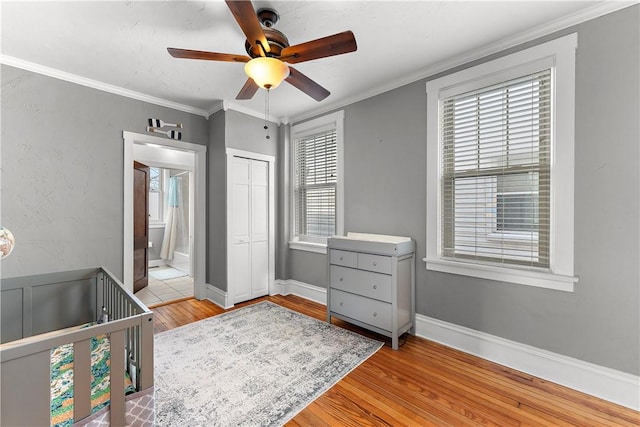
x=316, y=171
x=500, y=168
x=496, y=172
x=316, y=195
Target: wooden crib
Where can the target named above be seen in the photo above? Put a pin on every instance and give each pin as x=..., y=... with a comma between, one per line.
x=40, y=314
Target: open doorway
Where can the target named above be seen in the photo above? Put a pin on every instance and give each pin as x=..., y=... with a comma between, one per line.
x=170, y=232
x=176, y=217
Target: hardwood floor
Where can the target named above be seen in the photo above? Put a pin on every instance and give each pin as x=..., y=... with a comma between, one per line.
x=427, y=384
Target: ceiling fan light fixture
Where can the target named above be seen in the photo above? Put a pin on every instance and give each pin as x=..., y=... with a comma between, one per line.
x=267, y=72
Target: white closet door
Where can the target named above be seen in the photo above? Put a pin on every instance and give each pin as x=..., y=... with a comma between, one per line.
x=250, y=229
x=259, y=228
x=241, y=229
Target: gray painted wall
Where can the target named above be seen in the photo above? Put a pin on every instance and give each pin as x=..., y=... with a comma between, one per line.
x=62, y=170
x=216, y=203
x=244, y=132
x=385, y=186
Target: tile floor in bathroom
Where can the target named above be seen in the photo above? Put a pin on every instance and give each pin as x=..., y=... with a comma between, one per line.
x=161, y=291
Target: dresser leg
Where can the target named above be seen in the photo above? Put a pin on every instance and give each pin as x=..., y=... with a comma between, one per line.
x=394, y=341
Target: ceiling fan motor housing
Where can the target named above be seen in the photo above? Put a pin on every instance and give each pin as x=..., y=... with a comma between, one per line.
x=277, y=41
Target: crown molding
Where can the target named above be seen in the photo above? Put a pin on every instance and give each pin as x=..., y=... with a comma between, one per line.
x=227, y=105
x=217, y=106
x=599, y=9
x=95, y=84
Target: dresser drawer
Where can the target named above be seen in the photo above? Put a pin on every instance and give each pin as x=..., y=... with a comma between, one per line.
x=377, y=263
x=346, y=258
x=370, y=311
x=367, y=283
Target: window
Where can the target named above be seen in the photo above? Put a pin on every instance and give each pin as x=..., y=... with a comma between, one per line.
x=315, y=186
x=500, y=168
x=155, y=194
x=495, y=170
x=316, y=177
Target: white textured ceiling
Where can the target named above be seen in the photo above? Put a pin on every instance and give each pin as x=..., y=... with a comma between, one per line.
x=123, y=44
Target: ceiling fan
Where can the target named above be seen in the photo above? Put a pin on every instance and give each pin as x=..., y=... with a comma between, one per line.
x=268, y=50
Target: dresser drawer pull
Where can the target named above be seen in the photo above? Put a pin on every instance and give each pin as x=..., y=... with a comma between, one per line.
x=375, y=313
x=375, y=286
x=375, y=263
x=341, y=279
x=341, y=303
x=341, y=258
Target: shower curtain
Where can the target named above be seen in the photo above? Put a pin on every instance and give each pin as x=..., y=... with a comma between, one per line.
x=175, y=224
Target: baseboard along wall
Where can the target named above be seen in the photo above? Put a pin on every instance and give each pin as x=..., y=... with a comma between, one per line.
x=608, y=384
x=217, y=296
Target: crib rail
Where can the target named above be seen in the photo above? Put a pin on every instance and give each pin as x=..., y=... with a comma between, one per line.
x=121, y=304
x=25, y=364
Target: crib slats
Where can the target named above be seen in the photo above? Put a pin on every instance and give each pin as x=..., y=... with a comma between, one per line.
x=81, y=379
x=25, y=366
x=117, y=378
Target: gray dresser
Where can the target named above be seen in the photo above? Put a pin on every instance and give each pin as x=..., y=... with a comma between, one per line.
x=372, y=282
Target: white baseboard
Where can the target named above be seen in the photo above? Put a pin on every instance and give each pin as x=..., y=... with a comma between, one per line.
x=609, y=384
x=301, y=289
x=217, y=296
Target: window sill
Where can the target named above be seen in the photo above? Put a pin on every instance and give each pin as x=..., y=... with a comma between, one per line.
x=504, y=274
x=318, y=248
x=156, y=224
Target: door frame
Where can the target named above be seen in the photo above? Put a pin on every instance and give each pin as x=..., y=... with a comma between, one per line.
x=200, y=190
x=271, y=160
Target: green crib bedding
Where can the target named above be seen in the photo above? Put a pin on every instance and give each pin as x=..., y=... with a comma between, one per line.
x=62, y=380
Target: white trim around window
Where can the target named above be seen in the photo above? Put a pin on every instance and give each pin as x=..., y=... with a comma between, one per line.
x=325, y=123
x=559, y=55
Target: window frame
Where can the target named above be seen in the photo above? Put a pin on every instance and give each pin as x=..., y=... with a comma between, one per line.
x=332, y=121
x=559, y=55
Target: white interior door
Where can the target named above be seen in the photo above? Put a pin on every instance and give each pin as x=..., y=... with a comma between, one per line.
x=249, y=255
x=259, y=228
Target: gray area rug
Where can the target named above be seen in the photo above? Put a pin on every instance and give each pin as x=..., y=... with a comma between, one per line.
x=256, y=366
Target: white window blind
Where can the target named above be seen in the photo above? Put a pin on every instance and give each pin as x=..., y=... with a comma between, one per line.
x=315, y=163
x=496, y=154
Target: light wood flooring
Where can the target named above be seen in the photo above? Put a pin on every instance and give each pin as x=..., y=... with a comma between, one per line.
x=427, y=384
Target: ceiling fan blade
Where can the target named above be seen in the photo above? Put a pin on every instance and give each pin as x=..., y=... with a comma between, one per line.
x=248, y=90
x=211, y=56
x=305, y=84
x=248, y=21
x=336, y=44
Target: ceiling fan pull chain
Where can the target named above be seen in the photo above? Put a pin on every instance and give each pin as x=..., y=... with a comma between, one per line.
x=266, y=112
